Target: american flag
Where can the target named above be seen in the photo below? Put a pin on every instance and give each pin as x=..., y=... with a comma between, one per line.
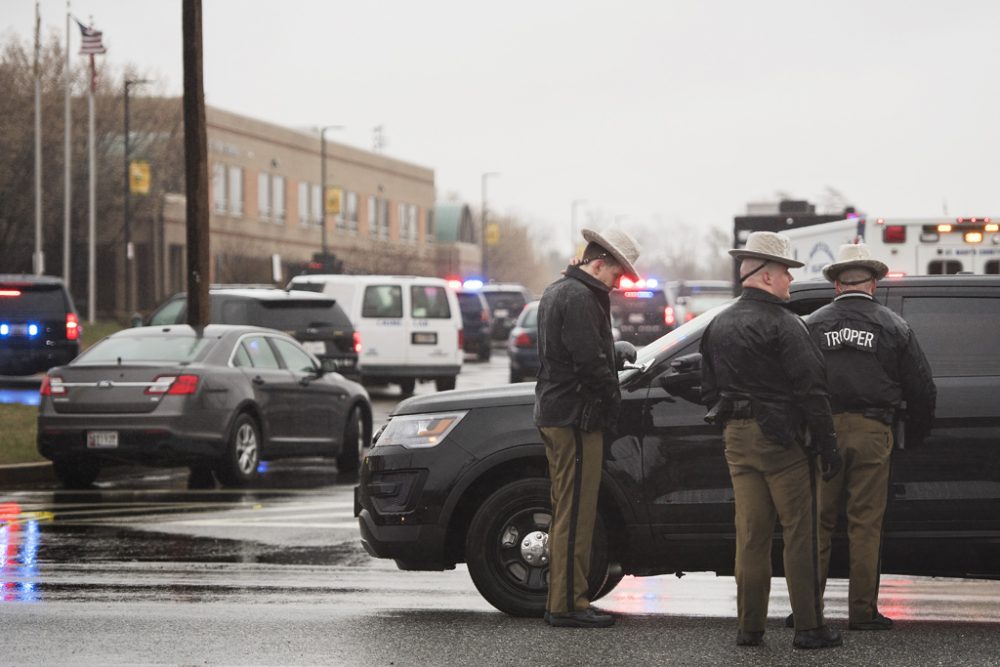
x=90, y=43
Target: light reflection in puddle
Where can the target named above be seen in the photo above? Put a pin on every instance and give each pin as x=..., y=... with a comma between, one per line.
x=19, y=540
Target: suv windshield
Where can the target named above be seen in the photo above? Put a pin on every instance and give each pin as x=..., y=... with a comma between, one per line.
x=298, y=315
x=663, y=346
x=32, y=301
x=512, y=302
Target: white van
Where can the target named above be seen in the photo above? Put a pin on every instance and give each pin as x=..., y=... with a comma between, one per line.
x=410, y=327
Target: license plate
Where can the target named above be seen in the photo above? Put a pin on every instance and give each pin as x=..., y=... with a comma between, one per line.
x=636, y=318
x=102, y=439
x=342, y=363
x=424, y=338
x=500, y=312
x=314, y=346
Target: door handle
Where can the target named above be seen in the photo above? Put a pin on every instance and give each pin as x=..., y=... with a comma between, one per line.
x=258, y=380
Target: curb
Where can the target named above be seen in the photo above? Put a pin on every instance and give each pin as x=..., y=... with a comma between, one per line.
x=26, y=473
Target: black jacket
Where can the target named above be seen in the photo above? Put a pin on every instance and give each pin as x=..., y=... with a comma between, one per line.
x=759, y=350
x=575, y=351
x=873, y=360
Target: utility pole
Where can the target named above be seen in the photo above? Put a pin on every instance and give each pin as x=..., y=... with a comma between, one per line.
x=196, y=168
x=322, y=180
x=129, y=250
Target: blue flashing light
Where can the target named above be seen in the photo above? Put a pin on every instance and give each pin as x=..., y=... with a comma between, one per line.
x=4, y=329
x=652, y=282
x=262, y=467
x=639, y=294
x=32, y=330
x=472, y=284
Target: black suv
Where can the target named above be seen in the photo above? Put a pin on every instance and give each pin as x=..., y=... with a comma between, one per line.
x=506, y=301
x=39, y=326
x=642, y=313
x=462, y=476
x=315, y=320
x=476, y=323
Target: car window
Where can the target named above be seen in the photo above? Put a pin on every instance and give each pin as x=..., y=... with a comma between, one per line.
x=296, y=315
x=295, y=358
x=958, y=334
x=429, y=302
x=512, y=302
x=528, y=319
x=28, y=301
x=172, y=312
x=382, y=301
x=126, y=349
x=241, y=359
x=260, y=353
x=470, y=303
x=235, y=311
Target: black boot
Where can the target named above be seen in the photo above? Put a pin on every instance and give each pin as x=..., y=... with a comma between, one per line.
x=822, y=637
x=877, y=622
x=746, y=638
x=588, y=618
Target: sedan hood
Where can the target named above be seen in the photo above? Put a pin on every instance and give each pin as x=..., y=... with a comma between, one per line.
x=522, y=393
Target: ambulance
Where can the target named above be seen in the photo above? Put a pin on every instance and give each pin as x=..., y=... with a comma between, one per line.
x=909, y=246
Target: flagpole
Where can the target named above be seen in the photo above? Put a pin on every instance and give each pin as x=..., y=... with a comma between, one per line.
x=67, y=162
x=39, y=259
x=92, y=209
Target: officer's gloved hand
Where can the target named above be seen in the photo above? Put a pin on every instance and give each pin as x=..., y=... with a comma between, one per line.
x=831, y=462
x=624, y=351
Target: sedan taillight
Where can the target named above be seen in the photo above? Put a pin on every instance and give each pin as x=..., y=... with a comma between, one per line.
x=357, y=342
x=173, y=385
x=523, y=340
x=669, y=318
x=52, y=386
x=72, y=327
x=461, y=338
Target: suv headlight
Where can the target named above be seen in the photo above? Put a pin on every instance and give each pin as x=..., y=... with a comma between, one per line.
x=416, y=431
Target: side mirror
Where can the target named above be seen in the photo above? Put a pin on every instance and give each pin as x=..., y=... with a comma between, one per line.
x=625, y=352
x=136, y=320
x=684, y=378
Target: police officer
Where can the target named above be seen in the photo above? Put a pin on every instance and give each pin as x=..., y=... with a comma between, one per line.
x=764, y=378
x=873, y=364
x=576, y=398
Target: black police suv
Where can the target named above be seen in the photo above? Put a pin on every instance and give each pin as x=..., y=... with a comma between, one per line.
x=476, y=323
x=461, y=476
x=315, y=320
x=39, y=325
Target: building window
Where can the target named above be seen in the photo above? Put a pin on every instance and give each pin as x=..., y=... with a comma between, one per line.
x=429, y=231
x=350, y=213
x=383, y=218
x=264, y=195
x=278, y=198
x=236, y=191
x=407, y=222
x=303, y=203
x=372, y=228
x=316, y=207
x=219, y=187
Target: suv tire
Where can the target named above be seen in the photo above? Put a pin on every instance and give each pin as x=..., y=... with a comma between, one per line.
x=445, y=383
x=407, y=386
x=493, y=548
x=76, y=473
x=354, y=442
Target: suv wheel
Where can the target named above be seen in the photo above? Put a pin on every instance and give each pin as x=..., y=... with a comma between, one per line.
x=239, y=464
x=407, y=386
x=503, y=554
x=76, y=473
x=445, y=383
x=354, y=443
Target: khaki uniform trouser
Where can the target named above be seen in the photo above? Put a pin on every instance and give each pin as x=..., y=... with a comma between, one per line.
x=771, y=481
x=575, y=459
x=862, y=487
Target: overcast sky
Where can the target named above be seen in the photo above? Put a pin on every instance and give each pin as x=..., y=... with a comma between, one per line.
x=672, y=112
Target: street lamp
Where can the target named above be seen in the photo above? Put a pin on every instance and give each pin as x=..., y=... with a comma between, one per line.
x=572, y=225
x=486, y=262
x=322, y=184
x=128, y=192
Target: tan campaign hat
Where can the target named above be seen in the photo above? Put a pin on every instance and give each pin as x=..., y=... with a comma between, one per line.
x=854, y=256
x=771, y=246
x=621, y=246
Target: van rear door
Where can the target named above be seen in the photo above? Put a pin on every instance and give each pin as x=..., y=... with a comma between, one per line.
x=433, y=334
x=382, y=325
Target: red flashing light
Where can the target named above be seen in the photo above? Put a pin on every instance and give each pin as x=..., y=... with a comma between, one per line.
x=357, y=342
x=455, y=284
x=10, y=292
x=894, y=234
x=523, y=340
x=625, y=283
x=895, y=274
x=669, y=317
x=72, y=326
x=688, y=316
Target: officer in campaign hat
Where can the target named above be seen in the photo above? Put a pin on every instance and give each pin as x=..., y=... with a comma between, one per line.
x=764, y=379
x=873, y=366
x=576, y=399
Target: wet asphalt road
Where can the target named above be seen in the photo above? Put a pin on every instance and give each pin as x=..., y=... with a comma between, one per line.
x=144, y=570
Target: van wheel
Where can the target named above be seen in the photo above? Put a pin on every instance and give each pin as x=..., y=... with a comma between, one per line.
x=406, y=386
x=238, y=466
x=515, y=377
x=445, y=383
x=355, y=442
x=485, y=351
x=510, y=576
x=76, y=473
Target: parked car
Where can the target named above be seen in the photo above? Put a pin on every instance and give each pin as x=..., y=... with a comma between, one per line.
x=641, y=311
x=223, y=399
x=476, y=323
x=411, y=326
x=463, y=477
x=39, y=325
x=315, y=320
x=506, y=301
x=691, y=298
x=522, y=344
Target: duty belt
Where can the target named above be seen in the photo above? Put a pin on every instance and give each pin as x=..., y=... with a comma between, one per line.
x=884, y=415
x=742, y=409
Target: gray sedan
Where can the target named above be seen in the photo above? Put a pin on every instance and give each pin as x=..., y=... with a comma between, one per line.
x=222, y=399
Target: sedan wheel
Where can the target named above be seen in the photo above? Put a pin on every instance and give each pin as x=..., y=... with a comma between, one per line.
x=355, y=442
x=507, y=548
x=239, y=466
